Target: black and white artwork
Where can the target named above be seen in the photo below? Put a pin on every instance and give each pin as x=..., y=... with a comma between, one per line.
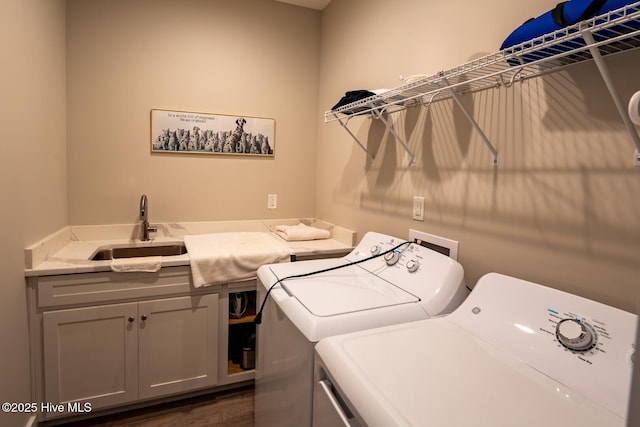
x=187, y=132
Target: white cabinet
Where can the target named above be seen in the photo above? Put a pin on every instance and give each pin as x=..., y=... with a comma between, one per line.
x=110, y=339
x=178, y=344
x=91, y=354
x=119, y=353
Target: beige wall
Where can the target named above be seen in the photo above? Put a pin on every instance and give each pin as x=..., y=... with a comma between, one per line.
x=251, y=57
x=560, y=209
x=32, y=171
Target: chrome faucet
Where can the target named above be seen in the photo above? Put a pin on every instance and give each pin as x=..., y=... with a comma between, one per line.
x=144, y=216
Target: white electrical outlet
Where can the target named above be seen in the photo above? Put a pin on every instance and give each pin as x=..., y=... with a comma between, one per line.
x=272, y=201
x=418, y=208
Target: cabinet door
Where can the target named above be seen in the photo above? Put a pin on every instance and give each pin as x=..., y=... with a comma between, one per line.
x=178, y=344
x=91, y=354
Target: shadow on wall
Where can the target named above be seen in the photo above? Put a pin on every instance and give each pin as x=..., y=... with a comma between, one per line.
x=595, y=109
x=414, y=126
x=563, y=179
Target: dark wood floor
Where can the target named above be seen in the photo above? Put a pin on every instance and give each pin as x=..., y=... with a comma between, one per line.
x=232, y=408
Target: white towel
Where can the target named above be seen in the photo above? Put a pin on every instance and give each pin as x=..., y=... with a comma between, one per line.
x=147, y=264
x=230, y=257
x=301, y=232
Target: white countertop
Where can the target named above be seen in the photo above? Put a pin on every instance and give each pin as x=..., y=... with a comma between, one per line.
x=69, y=250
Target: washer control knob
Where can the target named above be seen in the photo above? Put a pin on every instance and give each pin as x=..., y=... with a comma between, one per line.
x=412, y=265
x=575, y=335
x=392, y=257
x=375, y=250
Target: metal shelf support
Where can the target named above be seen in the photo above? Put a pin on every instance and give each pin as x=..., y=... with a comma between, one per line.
x=355, y=138
x=475, y=124
x=608, y=81
x=379, y=115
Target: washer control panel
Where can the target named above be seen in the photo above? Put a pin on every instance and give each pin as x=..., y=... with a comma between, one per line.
x=586, y=346
x=390, y=252
x=586, y=337
x=434, y=278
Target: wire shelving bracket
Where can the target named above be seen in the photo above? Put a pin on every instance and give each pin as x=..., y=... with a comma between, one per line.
x=475, y=124
x=377, y=114
x=608, y=81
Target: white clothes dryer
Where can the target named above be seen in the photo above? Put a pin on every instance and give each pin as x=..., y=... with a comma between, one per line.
x=513, y=354
x=403, y=283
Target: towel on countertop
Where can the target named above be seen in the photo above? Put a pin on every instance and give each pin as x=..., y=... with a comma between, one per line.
x=301, y=232
x=147, y=264
x=230, y=257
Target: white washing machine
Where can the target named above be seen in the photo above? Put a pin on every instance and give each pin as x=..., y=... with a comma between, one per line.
x=513, y=354
x=405, y=282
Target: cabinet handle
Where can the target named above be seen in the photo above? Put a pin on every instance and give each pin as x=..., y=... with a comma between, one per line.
x=131, y=319
x=144, y=317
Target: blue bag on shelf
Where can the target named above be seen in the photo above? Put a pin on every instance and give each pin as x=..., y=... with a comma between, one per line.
x=563, y=15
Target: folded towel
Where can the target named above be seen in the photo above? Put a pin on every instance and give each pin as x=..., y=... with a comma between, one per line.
x=301, y=232
x=148, y=264
x=230, y=257
x=352, y=96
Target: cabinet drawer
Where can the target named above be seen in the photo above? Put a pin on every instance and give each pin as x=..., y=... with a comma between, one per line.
x=246, y=285
x=102, y=287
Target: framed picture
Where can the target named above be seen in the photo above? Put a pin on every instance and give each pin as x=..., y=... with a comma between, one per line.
x=187, y=132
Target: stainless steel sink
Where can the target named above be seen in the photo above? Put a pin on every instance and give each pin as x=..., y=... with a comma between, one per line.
x=138, y=251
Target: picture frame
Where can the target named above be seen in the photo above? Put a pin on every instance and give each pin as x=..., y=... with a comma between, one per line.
x=188, y=132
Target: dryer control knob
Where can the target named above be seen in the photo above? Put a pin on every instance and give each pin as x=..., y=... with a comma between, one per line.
x=575, y=335
x=375, y=250
x=412, y=265
x=392, y=257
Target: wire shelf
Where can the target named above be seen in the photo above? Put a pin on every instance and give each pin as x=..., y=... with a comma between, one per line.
x=613, y=32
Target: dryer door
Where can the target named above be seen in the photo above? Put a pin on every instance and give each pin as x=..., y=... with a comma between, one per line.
x=328, y=410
